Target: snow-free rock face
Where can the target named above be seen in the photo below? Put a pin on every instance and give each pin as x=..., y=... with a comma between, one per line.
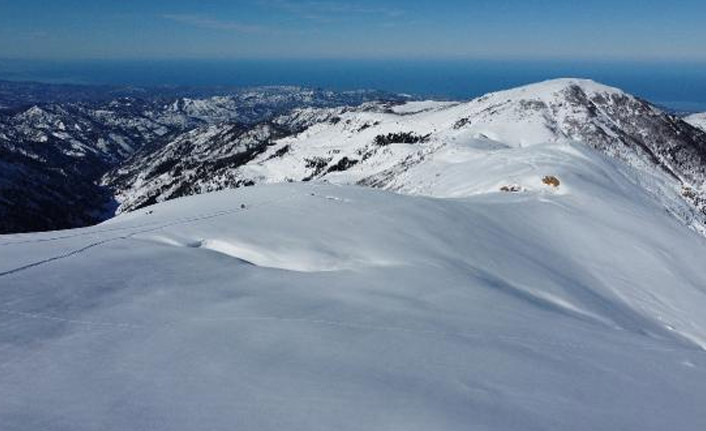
x=435, y=148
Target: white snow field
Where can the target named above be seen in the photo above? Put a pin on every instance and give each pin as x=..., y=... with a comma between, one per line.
x=697, y=120
x=324, y=307
x=327, y=306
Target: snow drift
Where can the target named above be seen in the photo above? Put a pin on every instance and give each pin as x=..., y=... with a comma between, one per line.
x=324, y=307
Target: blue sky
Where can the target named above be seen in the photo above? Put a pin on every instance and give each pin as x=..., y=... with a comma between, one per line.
x=236, y=29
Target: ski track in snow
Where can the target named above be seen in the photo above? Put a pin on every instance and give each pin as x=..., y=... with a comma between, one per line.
x=191, y=220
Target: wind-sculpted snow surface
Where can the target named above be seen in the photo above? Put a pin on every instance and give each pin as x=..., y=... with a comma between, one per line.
x=319, y=307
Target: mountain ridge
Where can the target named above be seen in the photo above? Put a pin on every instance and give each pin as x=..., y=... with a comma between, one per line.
x=159, y=149
x=377, y=144
x=517, y=263
x=60, y=151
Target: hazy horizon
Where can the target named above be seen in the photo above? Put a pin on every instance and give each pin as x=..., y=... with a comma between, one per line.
x=681, y=88
x=344, y=29
x=447, y=49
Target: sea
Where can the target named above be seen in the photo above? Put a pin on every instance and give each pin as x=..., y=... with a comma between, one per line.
x=680, y=86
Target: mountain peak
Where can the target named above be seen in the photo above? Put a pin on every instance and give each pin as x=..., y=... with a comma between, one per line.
x=556, y=89
x=588, y=85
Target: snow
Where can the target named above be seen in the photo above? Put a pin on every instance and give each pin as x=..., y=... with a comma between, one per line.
x=451, y=305
x=496, y=122
x=314, y=306
x=697, y=120
x=467, y=146
x=416, y=107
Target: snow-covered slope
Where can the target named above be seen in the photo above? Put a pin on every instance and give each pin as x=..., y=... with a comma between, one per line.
x=697, y=120
x=52, y=155
x=313, y=306
x=444, y=149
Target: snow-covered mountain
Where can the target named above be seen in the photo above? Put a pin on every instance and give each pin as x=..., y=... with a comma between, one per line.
x=516, y=262
x=155, y=149
x=206, y=159
x=436, y=148
x=54, y=154
x=318, y=307
x=697, y=120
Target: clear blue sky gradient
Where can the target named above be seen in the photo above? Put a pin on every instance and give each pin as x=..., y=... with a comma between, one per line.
x=346, y=29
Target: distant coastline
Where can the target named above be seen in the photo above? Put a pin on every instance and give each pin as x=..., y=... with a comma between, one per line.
x=678, y=86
